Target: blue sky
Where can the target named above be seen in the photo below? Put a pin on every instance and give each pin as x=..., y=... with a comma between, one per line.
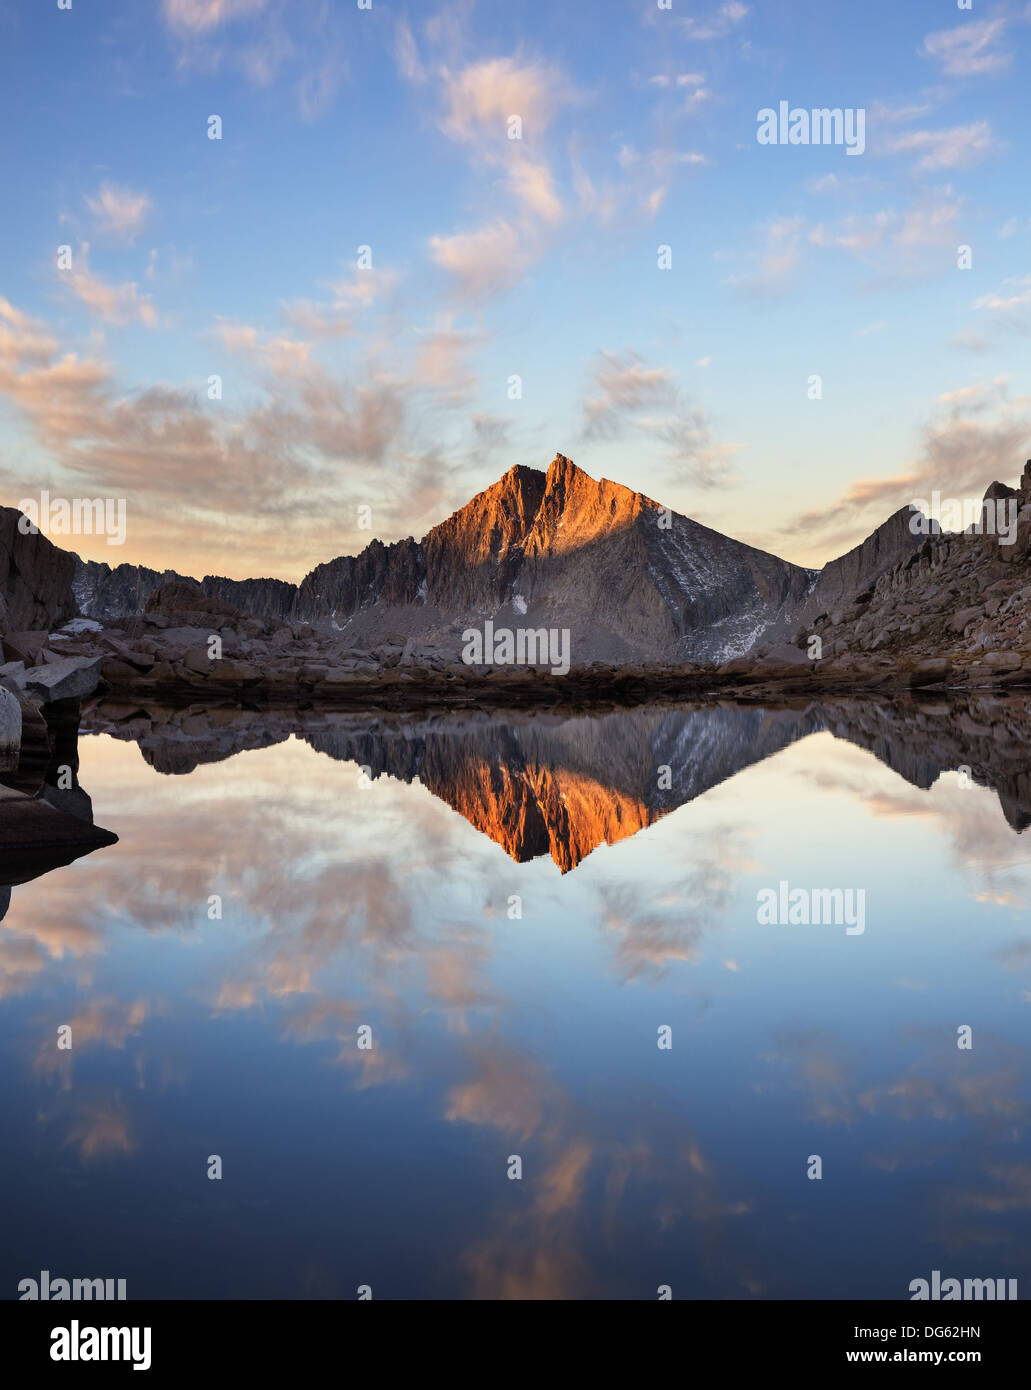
x=387, y=385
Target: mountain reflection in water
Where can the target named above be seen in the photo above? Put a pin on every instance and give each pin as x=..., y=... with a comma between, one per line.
x=280, y=883
x=562, y=784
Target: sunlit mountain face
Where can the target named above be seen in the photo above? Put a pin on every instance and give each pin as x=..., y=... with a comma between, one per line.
x=511, y=913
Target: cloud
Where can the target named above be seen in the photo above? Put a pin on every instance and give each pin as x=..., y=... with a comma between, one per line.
x=491, y=433
x=646, y=182
x=118, y=304
x=481, y=98
x=623, y=386
x=102, y=1130
x=723, y=21
x=1011, y=305
x=958, y=148
x=534, y=188
x=364, y=286
x=485, y=261
x=441, y=364
x=406, y=54
x=971, y=49
x=315, y=52
x=928, y=222
x=691, y=454
x=280, y=355
x=893, y=242
x=317, y=87
x=857, y=234
x=601, y=204
x=682, y=79
x=659, y=161
x=185, y=464
x=317, y=321
x=358, y=291
x=884, y=113
x=629, y=395
x=203, y=16
x=827, y=183
x=506, y=1092
x=119, y=212
x=776, y=262
x=289, y=460
x=976, y=433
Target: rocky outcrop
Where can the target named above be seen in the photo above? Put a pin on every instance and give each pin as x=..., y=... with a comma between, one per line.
x=955, y=609
x=381, y=575
x=106, y=594
x=35, y=577
x=181, y=603
x=841, y=580
x=474, y=557
x=265, y=598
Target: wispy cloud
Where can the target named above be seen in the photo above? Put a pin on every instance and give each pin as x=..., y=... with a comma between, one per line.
x=119, y=212
x=202, y=16
x=971, y=49
x=723, y=20
x=975, y=433
x=628, y=395
x=958, y=148
x=487, y=260
x=623, y=385
x=480, y=99
x=777, y=261
x=117, y=304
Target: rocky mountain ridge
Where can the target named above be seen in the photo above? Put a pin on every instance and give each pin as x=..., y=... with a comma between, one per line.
x=956, y=606
x=562, y=549
x=636, y=585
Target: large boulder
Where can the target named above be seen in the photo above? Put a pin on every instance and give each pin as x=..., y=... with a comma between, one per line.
x=35, y=577
x=66, y=678
x=24, y=766
x=35, y=837
x=187, y=605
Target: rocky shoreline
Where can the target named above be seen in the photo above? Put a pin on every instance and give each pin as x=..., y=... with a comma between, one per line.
x=188, y=647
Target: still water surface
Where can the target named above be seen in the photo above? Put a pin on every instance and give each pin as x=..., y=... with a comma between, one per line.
x=516, y=907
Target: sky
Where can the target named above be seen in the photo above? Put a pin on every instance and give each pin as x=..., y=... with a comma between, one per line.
x=436, y=242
